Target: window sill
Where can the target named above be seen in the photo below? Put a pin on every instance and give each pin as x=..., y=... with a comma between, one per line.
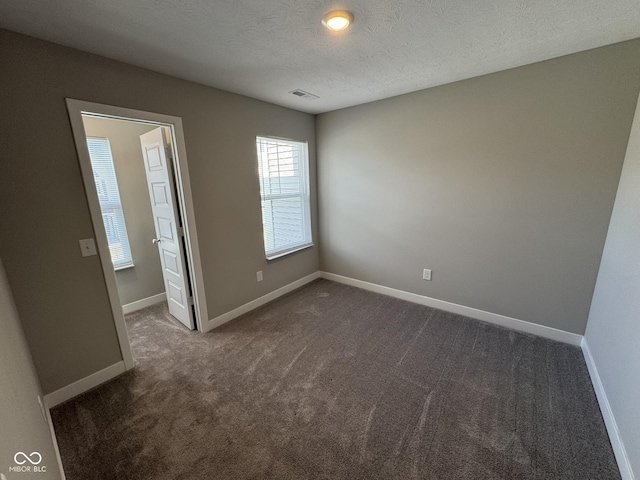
x=124, y=267
x=292, y=250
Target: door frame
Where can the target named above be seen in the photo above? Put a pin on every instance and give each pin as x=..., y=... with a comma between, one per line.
x=76, y=109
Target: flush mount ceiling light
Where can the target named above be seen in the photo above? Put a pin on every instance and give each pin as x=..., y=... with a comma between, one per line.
x=337, y=20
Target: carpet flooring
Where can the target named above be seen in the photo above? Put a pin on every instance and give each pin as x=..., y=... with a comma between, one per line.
x=334, y=382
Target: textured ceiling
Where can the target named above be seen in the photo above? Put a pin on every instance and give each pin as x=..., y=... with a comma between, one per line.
x=266, y=48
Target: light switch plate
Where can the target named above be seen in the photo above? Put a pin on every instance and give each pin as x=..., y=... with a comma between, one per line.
x=88, y=247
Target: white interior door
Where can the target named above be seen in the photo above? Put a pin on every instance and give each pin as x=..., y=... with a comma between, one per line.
x=156, y=151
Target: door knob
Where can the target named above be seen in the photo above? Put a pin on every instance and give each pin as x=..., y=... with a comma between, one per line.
x=156, y=240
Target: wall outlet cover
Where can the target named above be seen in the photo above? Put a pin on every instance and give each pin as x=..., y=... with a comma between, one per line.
x=88, y=247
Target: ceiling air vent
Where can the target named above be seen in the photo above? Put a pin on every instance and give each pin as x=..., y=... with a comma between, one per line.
x=303, y=94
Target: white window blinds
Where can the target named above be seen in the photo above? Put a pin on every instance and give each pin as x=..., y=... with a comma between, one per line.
x=283, y=168
x=104, y=175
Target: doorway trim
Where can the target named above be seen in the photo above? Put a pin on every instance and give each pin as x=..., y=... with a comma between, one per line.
x=76, y=109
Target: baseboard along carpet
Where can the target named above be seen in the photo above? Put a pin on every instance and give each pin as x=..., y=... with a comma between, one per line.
x=334, y=382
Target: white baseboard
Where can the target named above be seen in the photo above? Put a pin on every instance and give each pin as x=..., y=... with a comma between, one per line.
x=609, y=420
x=258, y=302
x=83, y=385
x=145, y=302
x=494, y=318
x=52, y=431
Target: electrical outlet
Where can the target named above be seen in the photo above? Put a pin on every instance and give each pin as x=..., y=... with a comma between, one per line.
x=259, y=275
x=88, y=247
x=426, y=274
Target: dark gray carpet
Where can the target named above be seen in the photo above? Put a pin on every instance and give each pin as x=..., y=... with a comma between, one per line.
x=333, y=382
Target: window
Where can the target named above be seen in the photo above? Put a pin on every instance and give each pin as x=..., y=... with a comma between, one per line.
x=283, y=168
x=104, y=175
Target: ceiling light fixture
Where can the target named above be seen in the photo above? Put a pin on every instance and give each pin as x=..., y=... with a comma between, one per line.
x=337, y=20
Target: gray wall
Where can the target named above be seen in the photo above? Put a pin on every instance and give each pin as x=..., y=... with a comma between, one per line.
x=23, y=425
x=502, y=184
x=61, y=297
x=144, y=279
x=613, y=330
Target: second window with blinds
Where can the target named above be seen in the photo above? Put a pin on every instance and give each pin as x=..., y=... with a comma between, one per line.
x=283, y=169
x=104, y=174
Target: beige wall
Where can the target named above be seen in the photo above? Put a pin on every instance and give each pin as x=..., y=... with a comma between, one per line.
x=23, y=425
x=502, y=184
x=61, y=297
x=144, y=279
x=613, y=331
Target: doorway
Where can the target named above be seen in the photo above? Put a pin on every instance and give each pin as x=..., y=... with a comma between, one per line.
x=142, y=214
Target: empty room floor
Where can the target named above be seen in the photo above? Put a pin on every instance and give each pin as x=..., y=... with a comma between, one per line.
x=335, y=382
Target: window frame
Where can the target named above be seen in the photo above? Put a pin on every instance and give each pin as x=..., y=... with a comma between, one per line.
x=304, y=195
x=126, y=246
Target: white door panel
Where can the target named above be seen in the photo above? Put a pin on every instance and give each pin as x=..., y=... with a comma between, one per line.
x=165, y=216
